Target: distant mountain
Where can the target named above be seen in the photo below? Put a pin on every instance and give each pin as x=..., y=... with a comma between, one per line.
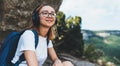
x=89, y=33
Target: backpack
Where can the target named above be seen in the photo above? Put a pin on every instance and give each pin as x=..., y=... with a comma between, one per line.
x=9, y=46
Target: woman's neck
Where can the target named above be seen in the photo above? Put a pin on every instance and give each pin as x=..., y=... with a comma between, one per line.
x=43, y=31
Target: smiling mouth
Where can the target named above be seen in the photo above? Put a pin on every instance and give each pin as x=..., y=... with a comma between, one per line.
x=49, y=19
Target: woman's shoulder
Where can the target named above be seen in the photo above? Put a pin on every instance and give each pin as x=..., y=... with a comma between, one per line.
x=28, y=33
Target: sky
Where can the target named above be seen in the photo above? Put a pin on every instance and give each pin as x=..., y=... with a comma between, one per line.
x=95, y=14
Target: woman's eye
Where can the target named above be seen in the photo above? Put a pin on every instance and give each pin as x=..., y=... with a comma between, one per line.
x=53, y=14
x=45, y=13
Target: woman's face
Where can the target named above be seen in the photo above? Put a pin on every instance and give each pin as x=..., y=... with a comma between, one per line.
x=47, y=16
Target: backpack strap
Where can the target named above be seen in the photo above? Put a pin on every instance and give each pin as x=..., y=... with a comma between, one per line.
x=47, y=41
x=36, y=37
x=22, y=58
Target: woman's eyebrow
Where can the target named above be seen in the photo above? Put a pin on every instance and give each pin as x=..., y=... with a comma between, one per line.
x=52, y=11
x=47, y=11
x=44, y=11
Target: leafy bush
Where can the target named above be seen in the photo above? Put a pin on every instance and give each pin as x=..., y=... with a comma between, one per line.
x=91, y=53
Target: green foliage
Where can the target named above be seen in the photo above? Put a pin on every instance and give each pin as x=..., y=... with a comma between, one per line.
x=69, y=34
x=113, y=39
x=72, y=22
x=110, y=45
x=64, y=25
x=95, y=40
x=91, y=53
x=60, y=19
x=78, y=20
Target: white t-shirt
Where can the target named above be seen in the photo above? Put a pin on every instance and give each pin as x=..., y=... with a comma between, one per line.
x=27, y=42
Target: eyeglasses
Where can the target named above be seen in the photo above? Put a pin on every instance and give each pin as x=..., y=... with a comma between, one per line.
x=45, y=14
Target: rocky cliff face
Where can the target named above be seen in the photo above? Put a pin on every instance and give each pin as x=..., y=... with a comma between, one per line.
x=16, y=14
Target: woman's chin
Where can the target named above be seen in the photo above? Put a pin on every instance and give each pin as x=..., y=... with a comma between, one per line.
x=50, y=24
x=47, y=25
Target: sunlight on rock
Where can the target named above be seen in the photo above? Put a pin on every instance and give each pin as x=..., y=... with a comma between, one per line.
x=110, y=64
x=100, y=62
x=60, y=38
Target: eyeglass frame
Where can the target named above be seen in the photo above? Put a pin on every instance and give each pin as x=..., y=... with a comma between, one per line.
x=47, y=14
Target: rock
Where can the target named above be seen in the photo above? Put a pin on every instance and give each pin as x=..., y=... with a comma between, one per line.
x=16, y=14
x=74, y=60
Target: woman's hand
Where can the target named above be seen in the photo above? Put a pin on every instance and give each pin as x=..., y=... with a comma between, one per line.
x=57, y=63
x=54, y=57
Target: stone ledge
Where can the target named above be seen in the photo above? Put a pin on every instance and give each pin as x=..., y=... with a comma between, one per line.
x=74, y=60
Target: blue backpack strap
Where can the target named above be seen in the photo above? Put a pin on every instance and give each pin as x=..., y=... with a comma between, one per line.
x=36, y=37
x=22, y=58
x=47, y=41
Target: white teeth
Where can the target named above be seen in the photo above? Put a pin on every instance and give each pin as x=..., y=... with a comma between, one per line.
x=48, y=20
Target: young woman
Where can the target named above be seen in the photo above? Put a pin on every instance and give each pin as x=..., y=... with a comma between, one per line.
x=44, y=17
